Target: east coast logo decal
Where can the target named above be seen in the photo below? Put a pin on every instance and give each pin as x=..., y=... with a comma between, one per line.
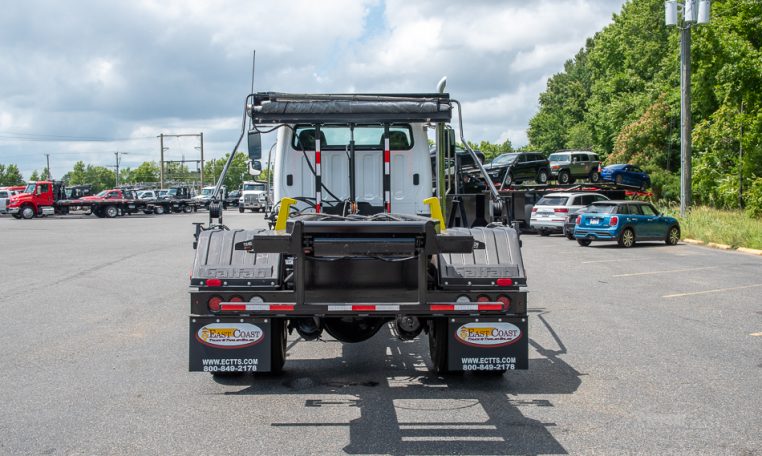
x=230, y=335
x=489, y=334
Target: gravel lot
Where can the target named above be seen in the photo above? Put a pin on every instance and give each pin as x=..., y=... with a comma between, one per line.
x=653, y=349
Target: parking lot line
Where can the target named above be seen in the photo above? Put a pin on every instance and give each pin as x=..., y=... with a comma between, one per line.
x=718, y=290
x=613, y=260
x=664, y=272
x=759, y=334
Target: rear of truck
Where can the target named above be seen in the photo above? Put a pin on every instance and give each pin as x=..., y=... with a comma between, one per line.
x=359, y=245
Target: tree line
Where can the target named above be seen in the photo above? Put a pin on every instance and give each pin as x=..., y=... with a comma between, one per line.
x=620, y=97
x=146, y=174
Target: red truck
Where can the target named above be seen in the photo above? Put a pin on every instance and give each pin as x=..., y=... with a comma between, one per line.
x=49, y=197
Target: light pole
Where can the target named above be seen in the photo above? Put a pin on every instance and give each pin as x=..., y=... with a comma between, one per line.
x=694, y=12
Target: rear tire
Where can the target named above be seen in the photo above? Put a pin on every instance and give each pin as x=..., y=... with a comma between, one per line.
x=618, y=180
x=240, y=209
x=544, y=233
x=595, y=177
x=508, y=180
x=584, y=242
x=278, y=341
x=564, y=177
x=627, y=238
x=438, y=344
x=187, y=209
x=110, y=211
x=158, y=210
x=673, y=236
x=569, y=236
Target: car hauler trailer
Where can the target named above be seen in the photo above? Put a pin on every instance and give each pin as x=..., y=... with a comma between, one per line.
x=359, y=242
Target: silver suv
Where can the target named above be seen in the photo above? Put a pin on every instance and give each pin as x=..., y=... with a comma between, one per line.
x=566, y=166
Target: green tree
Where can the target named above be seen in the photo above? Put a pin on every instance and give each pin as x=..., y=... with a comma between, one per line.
x=10, y=175
x=35, y=176
x=237, y=173
x=78, y=174
x=146, y=172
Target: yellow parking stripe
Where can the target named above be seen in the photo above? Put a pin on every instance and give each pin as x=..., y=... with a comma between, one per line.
x=664, y=272
x=718, y=290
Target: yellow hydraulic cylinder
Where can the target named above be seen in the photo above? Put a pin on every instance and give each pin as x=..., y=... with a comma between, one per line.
x=436, y=211
x=285, y=206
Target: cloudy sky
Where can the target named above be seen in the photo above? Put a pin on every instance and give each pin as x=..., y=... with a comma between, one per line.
x=81, y=80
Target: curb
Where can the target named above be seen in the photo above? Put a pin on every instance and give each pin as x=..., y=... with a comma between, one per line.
x=750, y=251
x=693, y=241
x=714, y=245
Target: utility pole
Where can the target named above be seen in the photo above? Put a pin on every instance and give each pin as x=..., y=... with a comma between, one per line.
x=161, y=161
x=118, y=160
x=201, y=169
x=740, y=163
x=47, y=158
x=685, y=119
x=694, y=12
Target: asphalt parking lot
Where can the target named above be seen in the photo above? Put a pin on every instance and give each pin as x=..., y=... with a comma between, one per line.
x=652, y=349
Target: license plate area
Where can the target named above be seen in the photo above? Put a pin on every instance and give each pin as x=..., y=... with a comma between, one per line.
x=488, y=344
x=229, y=344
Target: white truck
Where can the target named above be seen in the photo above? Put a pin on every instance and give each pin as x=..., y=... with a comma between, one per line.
x=253, y=196
x=4, y=196
x=360, y=242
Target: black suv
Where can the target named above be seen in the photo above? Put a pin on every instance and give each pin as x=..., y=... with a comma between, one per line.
x=517, y=167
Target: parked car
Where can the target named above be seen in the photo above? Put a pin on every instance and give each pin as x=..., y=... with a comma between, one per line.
x=517, y=167
x=232, y=199
x=549, y=213
x=629, y=175
x=571, y=220
x=566, y=166
x=626, y=222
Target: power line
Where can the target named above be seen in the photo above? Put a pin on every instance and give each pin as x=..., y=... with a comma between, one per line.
x=36, y=137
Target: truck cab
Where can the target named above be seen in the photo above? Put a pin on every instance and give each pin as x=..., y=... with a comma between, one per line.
x=205, y=197
x=36, y=199
x=253, y=196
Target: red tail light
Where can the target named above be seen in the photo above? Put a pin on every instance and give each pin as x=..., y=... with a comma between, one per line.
x=561, y=209
x=214, y=303
x=235, y=299
x=482, y=298
x=505, y=300
x=579, y=220
x=613, y=221
x=504, y=282
x=534, y=209
x=214, y=283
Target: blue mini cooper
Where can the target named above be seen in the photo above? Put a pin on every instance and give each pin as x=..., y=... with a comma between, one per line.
x=625, y=222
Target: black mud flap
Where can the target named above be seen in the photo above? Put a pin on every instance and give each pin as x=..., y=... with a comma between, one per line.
x=489, y=344
x=229, y=344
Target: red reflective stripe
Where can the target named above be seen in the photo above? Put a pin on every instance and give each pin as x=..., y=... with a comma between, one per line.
x=234, y=307
x=490, y=307
x=360, y=308
x=317, y=208
x=388, y=206
x=386, y=156
x=281, y=307
x=442, y=307
x=317, y=157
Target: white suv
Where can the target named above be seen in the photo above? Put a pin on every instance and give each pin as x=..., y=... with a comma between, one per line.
x=549, y=213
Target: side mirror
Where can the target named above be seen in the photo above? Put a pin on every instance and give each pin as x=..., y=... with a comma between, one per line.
x=255, y=145
x=255, y=167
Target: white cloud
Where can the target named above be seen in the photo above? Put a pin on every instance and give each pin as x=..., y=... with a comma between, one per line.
x=136, y=69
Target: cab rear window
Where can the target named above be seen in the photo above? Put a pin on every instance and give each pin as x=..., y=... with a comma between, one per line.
x=337, y=137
